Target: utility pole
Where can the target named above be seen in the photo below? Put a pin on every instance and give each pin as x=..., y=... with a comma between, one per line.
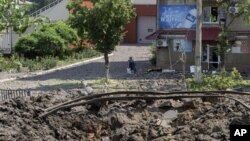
x=198, y=73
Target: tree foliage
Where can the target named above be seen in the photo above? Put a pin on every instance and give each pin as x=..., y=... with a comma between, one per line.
x=12, y=15
x=103, y=24
x=243, y=12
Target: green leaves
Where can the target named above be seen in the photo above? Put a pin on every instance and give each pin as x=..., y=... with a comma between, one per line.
x=12, y=15
x=222, y=81
x=104, y=23
x=50, y=40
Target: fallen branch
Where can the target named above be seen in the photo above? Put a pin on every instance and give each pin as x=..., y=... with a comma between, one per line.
x=142, y=93
x=62, y=107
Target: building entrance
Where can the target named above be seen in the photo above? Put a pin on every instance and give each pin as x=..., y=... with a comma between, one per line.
x=211, y=57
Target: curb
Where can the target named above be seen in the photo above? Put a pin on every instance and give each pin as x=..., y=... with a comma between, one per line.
x=55, y=69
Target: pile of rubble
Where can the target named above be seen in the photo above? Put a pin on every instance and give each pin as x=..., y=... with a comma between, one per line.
x=136, y=120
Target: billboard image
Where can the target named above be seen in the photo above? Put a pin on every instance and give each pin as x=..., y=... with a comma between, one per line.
x=178, y=16
x=182, y=45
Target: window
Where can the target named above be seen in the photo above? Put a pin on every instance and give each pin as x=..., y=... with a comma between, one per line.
x=210, y=15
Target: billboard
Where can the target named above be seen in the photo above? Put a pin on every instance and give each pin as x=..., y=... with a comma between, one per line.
x=178, y=16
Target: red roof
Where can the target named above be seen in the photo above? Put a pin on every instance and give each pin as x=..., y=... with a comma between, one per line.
x=208, y=34
x=87, y=3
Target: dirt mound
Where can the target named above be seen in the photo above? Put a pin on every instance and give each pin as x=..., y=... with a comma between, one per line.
x=136, y=120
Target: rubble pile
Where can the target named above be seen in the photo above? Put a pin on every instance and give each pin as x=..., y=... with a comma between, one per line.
x=202, y=119
x=136, y=120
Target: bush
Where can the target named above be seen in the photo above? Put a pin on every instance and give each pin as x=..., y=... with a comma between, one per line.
x=51, y=40
x=17, y=63
x=221, y=81
x=153, y=55
x=48, y=62
x=64, y=31
x=26, y=45
x=7, y=64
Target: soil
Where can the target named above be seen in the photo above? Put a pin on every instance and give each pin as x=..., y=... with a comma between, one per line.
x=136, y=120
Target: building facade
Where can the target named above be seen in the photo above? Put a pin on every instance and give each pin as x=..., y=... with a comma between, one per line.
x=176, y=30
x=143, y=24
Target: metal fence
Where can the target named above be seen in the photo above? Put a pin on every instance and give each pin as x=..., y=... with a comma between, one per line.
x=9, y=94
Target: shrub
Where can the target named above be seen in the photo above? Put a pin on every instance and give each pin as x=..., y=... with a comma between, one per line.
x=41, y=44
x=221, y=81
x=48, y=62
x=32, y=64
x=153, y=55
x=7, y=64
x=63, y=30
x=26, y=45
x=51, y=40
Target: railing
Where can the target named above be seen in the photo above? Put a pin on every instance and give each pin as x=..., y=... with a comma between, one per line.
x=34, y=14
x=10, y=94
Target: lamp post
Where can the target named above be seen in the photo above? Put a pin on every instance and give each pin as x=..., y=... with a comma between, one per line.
x=198, y=73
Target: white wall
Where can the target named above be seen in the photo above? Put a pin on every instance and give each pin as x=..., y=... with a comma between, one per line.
x=144, y=2
x=146, y=26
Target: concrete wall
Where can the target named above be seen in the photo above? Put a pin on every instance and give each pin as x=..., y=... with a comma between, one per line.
x=239, y=25
x=58, y=12
x=239, y=61
x=163, y=58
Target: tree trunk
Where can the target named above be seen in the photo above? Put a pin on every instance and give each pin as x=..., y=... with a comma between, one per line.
x=222, y=59
x=106, y=58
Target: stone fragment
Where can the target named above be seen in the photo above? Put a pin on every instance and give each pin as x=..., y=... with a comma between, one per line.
x=171, y=114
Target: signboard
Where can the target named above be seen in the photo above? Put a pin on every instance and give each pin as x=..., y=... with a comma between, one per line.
x=178, y=16
x=182, y=45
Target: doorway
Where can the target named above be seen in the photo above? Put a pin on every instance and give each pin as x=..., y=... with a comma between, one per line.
x=211, y=57
x=146, y=26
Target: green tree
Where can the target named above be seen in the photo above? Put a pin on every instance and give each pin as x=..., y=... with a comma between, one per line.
x=13, y=16
x=103, y=24
x=243, y=12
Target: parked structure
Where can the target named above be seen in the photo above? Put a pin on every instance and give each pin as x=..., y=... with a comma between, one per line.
x=175, y=35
